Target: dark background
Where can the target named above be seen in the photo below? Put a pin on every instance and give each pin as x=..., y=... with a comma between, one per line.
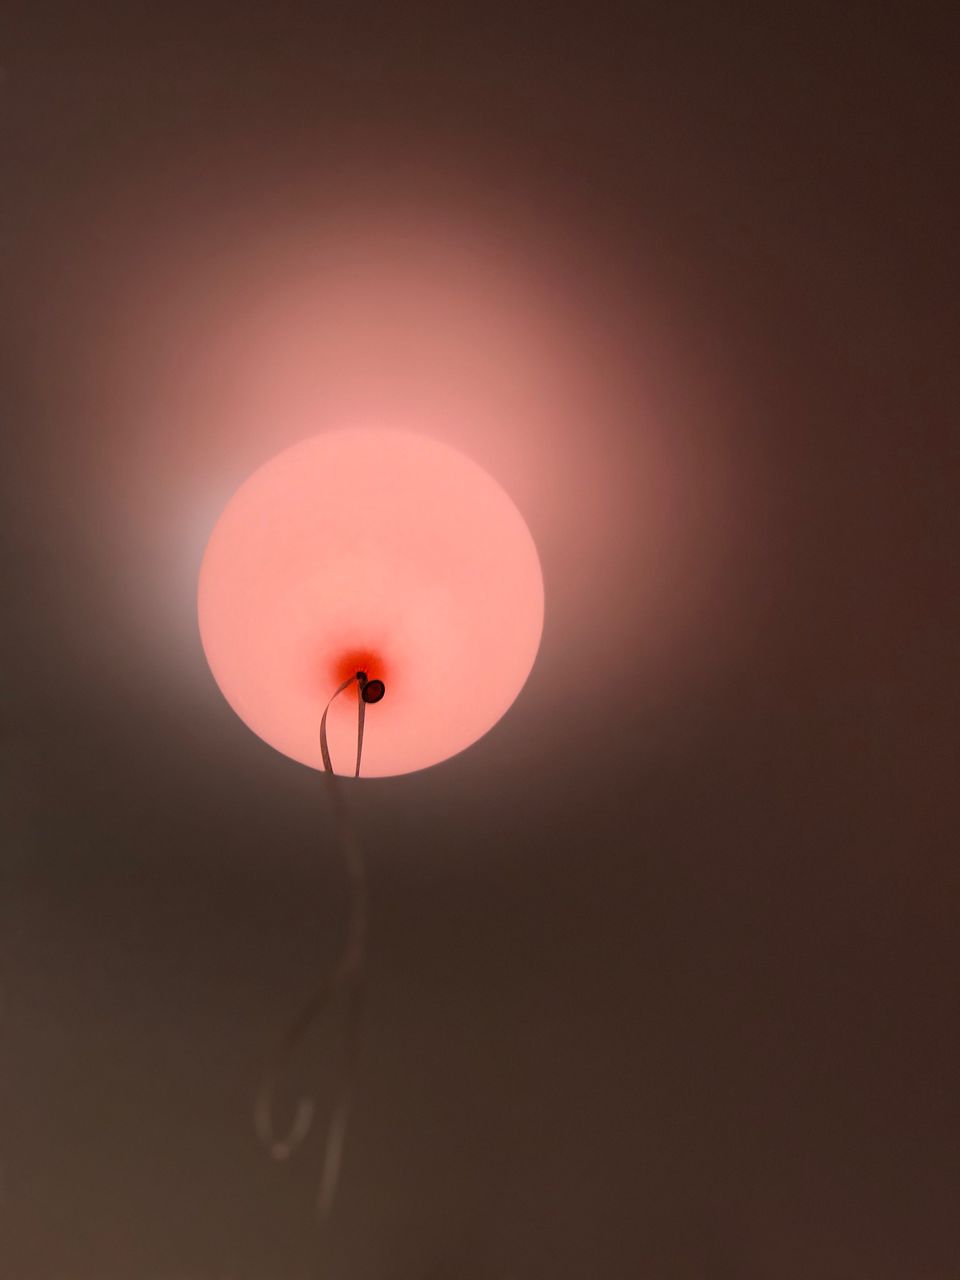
x=655, y=996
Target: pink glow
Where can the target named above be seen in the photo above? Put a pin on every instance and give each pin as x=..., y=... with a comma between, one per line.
x=376, y=549
x=208, y=341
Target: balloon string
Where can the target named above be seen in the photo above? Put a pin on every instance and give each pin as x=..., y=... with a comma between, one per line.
x=344, y=986
x=361, y=713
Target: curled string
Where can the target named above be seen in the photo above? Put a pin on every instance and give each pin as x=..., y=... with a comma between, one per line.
x=343, y=986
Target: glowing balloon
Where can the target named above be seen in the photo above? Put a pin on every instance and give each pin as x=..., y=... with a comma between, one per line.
x=378, y=551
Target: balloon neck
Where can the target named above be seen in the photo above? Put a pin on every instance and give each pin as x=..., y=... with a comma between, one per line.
x=370, y=690
x=362, y=663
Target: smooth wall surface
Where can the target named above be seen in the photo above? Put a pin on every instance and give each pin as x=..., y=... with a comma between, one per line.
x=663, y=969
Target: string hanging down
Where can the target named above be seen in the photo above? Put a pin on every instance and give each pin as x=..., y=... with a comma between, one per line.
x=343, y=987
x=367, y=691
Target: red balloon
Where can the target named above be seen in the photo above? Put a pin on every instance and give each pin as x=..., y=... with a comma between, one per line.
x=375, y=551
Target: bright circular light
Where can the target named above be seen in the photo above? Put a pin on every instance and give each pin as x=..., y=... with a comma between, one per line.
x=378, y=551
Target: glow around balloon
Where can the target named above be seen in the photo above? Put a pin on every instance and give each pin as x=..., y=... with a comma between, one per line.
x=378, y=551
